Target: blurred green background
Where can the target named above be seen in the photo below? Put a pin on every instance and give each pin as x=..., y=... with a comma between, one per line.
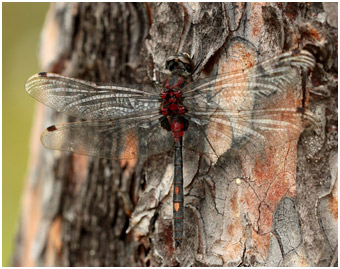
x=21, y=26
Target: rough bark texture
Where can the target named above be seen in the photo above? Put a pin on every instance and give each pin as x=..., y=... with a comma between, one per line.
x=278, y=210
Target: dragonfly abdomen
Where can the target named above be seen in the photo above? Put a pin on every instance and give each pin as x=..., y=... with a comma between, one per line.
x=178, y=205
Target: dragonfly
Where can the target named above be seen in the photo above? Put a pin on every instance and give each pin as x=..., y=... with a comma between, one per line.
x=209, y=115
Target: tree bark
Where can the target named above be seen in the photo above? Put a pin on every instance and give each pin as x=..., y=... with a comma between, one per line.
x=277, y=211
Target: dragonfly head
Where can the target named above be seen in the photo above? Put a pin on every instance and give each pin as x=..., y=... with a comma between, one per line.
x=180, y=64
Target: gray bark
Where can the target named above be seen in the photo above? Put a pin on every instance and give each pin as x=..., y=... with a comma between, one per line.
x=84, y=211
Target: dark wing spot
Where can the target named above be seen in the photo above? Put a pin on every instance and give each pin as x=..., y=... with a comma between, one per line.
x=52, y=128
x=42, y=74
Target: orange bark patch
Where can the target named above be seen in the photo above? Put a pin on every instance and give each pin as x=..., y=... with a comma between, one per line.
x=234, y=203
x=230, y=230
x=262, y=243
x=261, y=171
x=235, y=251
x=266, y=219
x=79, y=166
x=241, y=58
x=279, y=188
x=54, y=243
x=303, y=261
x=333, y=205
x=220, y=131
x=251, y=202
x=256, y=19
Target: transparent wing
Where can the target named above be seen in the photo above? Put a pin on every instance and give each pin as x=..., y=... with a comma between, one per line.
x=214, y=134
x=88, y=100
x=124, y=138
x=254, y=87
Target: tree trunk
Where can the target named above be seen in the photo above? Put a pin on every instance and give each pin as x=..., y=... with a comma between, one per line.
x=240, y=210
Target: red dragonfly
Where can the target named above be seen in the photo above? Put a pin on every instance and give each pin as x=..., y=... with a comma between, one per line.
x=125, y=122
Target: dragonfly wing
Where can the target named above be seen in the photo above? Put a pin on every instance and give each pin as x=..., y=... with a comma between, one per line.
x=254, y=87
x=110, y=139
x=263, y=128
x=88, y=100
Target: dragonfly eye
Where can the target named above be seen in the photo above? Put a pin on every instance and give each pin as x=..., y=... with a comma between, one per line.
x=189, y=68
x=170, y=65
x=181, y=62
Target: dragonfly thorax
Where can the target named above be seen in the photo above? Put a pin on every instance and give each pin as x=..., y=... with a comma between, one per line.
x=172, y=107
x=172, y=99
